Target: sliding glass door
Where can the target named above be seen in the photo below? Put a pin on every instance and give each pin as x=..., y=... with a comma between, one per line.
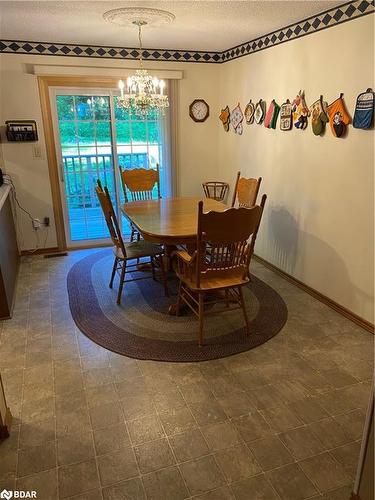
x=95, y=139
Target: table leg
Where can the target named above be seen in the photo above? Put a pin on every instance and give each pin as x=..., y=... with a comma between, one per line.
x=169, y=249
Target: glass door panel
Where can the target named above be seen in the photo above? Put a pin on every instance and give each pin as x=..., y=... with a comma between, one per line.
x=85, y=138
x=138, y=143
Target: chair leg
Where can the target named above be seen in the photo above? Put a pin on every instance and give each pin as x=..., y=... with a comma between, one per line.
x=179, y=300
x=226, y=298
x=113, y=272
x=138, y=239
x=201, y=315
x=122, y=279
x=153, y=268
x=243, y=306
x=164, y=275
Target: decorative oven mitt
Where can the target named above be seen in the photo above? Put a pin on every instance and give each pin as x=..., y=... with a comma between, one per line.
x=236, y=118
x=338, y=117
x=286, y=119
x=300, y=111
x=259, y=111
x=364, y=110
x=269, y=115
x=225, y=118
x=276, y=111
x=319, y=116
x=249, y=112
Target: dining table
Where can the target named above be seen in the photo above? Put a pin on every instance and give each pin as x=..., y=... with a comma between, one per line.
x=169, y=221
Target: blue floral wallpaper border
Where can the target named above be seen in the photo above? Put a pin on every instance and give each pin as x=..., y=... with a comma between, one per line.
x=332, y=17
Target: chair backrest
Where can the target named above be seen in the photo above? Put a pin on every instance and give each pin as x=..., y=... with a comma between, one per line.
x=140, y=182
x=225, y=241
x=246, y=191
x=216, y=190
x=110, y=217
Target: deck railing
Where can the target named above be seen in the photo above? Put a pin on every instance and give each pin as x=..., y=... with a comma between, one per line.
x=82, y=172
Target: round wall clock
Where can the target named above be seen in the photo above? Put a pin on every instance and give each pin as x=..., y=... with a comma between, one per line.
x=199, y=110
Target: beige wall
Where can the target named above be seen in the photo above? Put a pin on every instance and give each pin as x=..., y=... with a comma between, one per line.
x=318, y=224
x=20, y=100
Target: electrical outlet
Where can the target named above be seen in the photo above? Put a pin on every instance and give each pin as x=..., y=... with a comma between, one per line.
x=36, y=224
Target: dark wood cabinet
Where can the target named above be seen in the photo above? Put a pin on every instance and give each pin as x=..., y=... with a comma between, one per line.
x=9, y=254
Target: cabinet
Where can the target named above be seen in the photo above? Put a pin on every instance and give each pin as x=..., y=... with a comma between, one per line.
x=9, y=254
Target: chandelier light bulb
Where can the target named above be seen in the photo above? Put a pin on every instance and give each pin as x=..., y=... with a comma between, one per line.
x=121, y=85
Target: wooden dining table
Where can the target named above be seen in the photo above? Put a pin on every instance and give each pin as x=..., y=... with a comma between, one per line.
x=169, y=221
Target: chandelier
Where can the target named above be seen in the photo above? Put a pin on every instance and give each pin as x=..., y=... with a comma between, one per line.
x=142, y=93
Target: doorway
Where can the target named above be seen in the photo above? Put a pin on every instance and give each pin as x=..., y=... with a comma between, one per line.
x=96, y=138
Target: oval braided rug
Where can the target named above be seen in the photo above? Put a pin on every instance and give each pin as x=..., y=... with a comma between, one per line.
x=141, y=327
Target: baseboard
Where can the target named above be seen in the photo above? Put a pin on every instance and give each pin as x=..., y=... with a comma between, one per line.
x=366, y=325
x=88, y=247
x=39, y=251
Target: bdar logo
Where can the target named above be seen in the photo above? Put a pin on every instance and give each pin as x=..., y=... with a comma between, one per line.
x=6, y=494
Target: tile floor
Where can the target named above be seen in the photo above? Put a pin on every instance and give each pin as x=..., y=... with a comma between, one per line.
x=282, y=421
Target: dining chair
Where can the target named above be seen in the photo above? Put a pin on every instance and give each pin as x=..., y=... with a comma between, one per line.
x=125, y=252
x=138, y=185
x=216, y=190
x=220, y=263
x=246, y=191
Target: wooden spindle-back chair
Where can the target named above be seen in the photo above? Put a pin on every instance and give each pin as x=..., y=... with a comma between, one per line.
x=125, y=252
x=216, y=190
x=138, y=185
x=225, y=245
x=246, y=191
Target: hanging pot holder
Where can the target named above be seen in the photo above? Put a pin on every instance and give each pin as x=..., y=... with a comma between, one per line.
x=286, y=120
x=319, y=116
x=225, y=118
x=276, y=111
x=269, y=115
x=338, y=117
x=249, y=112
x=236, y=118
x=259, y=112
x=300, y=111
x=364, y=110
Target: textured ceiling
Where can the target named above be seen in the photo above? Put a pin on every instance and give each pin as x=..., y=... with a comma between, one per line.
x=199, y=25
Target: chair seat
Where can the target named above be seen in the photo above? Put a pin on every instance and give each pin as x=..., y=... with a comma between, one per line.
x=138, y=249
x=208, y=283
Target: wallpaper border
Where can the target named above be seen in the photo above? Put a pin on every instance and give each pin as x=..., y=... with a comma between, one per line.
x=326, y=19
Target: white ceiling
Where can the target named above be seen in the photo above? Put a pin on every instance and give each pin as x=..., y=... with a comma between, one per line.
x=199, y=25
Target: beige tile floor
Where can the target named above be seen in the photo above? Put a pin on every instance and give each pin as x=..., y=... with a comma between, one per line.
x=282, y=421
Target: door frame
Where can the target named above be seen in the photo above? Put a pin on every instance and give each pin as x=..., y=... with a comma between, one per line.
x=99, y=83
x=45, y=83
